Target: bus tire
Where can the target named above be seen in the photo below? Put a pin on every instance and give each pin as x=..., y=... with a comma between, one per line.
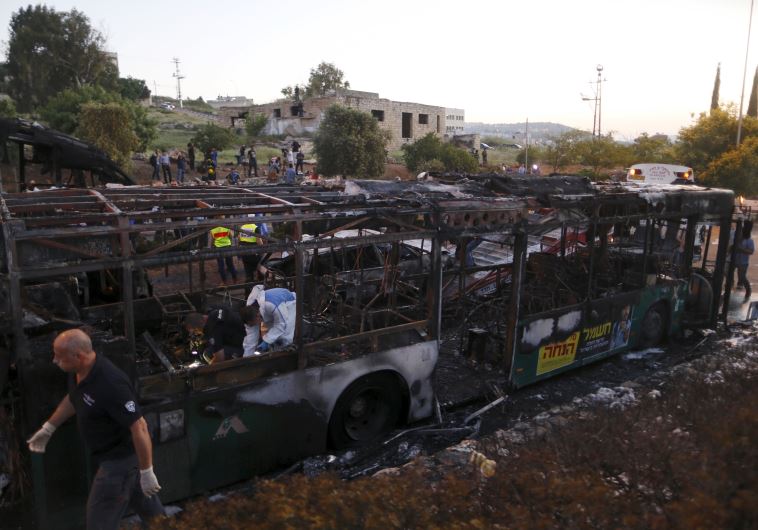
x=653, y=329
x=368, y=408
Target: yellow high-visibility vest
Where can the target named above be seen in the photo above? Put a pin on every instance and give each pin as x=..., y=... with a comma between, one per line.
x=222, y=237
x=247, y=233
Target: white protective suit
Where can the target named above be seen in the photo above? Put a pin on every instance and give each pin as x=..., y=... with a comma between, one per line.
x=278, y=312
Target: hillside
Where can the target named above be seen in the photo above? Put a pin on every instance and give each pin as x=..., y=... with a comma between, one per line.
x=516, y=130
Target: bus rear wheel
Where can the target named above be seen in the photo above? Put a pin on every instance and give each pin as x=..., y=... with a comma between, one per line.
x=653, y=326
x=368, y=408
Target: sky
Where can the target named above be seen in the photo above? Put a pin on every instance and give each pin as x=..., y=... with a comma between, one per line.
x=501, y=61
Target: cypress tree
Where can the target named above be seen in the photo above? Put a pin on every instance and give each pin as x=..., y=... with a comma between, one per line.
x=752, y=106
x=716, y=86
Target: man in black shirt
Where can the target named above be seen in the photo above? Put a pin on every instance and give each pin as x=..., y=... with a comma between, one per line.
x=222, y=330
x=112, y=428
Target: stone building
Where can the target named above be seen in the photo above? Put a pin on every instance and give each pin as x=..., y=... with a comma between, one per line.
x=406, y=122
x=456, y=120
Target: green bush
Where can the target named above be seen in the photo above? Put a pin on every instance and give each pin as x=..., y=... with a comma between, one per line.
x=429, y=148
x=107, y=126
x=62, y=112
x=7, y=108
x=350, y=143
x=255, y=125
x=211, y=135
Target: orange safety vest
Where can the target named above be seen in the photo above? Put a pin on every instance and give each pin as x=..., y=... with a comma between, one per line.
x=222, y=237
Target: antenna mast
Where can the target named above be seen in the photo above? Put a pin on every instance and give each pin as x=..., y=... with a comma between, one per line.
x=179, y=78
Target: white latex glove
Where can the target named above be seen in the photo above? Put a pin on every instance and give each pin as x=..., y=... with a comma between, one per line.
x=148, y=482
x=38, y=441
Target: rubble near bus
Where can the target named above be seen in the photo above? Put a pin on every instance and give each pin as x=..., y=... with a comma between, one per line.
x=381, y=272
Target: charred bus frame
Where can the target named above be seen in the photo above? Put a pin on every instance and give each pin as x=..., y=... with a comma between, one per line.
x=363, y=342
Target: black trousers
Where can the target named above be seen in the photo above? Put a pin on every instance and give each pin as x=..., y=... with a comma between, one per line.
x=115, y=488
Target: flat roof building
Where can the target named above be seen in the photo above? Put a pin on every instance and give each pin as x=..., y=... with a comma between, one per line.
x=405, y=121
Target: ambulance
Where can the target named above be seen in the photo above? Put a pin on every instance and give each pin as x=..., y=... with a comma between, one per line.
x=660, y=174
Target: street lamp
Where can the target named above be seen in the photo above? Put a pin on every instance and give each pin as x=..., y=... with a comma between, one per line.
x=594, y=116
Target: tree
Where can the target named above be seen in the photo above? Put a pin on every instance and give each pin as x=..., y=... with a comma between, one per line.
x=531, y=154
x=561, y=151
x=752, y=105
x=62, y=112
x=108, y=126
x=735, y=169
x=323, y=78
x=350, y=143
x=133, y=89
x=429, y=153
x=211, y=135
x=289, y=91
x=711, y=136
x=255, y=125
x=716, y=86
x=656, y=148
x=50, y=51
x=7, y=108
x=600, y=152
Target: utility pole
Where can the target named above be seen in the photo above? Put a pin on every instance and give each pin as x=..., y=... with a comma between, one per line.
x=179, y=78
x=526, y=148
x=598, y=99
x=744, y=73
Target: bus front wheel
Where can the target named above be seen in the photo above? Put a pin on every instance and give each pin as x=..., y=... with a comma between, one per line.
x=368, y=408
x=653, y=326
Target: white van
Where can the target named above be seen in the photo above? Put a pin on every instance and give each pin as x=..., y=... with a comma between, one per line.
x=660, y=174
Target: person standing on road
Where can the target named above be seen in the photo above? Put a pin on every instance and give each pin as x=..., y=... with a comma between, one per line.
x=300, y=158
x=180, y=167
x=214, y=158
x=222, y=238
x=252, y=163
x=166, y=166
x=112, y=429
x=290, y=175
x=249, y=236
x=156, y=165
x=745, y=249
x=290, y=158
x=191, y=155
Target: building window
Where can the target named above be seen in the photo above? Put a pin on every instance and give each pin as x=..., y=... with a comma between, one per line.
x=406, y=125
x=423, y=119
x=277, y=113
x=378, y=114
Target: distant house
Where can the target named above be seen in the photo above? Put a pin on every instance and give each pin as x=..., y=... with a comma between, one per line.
x=456, y=120
x=405, y=121
x=229, y=101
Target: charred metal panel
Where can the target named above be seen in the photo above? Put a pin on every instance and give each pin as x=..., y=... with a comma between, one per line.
x=56, y=151
x=322, y=386
x=69, y=250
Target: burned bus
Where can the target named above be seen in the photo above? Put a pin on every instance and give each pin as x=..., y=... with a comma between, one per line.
x=540, y=274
